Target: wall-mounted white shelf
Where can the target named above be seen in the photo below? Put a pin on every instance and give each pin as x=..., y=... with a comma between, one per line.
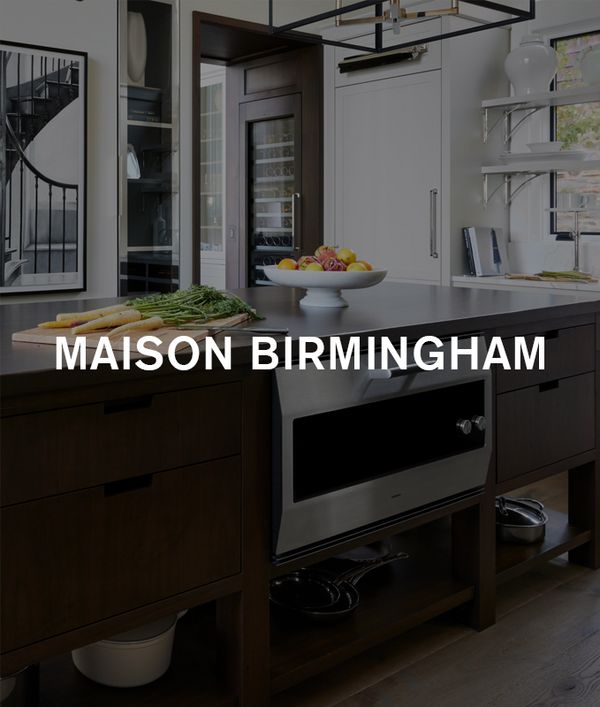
x=529, y=171
x=530, y=105
x=543, y=167
x=546, y=99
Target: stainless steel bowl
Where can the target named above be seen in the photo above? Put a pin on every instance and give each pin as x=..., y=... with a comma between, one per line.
x=520, y=521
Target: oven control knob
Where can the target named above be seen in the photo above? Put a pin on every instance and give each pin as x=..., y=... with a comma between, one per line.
x=480, y=423
x=464, y=426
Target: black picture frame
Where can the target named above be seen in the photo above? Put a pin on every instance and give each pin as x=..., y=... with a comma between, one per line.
x=43, y=184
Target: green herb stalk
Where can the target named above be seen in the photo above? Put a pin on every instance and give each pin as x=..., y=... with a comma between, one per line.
x=199, y=304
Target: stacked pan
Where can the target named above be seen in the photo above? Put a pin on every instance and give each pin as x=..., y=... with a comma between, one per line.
x=323, y=596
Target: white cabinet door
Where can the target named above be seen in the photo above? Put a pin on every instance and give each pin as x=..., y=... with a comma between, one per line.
x=387, y=168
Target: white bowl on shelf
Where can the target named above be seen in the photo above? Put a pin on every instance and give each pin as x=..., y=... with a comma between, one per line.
x=545, y=147
x=324, y=288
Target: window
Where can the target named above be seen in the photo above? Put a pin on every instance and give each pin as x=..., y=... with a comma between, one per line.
x=578, y=127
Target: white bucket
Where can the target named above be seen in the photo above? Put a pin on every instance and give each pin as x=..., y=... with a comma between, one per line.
x=130, y=659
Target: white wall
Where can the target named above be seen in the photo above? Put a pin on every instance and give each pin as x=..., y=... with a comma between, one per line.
x=89, y=26
x=532, y=248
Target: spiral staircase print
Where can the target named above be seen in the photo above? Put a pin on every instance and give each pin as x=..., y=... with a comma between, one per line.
x=39, y=214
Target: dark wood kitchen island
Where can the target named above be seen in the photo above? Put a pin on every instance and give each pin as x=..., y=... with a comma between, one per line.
x=127, y=496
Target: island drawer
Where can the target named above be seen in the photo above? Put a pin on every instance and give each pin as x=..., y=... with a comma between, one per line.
x=64, y=450
x=569, y=352
x=543, y=424
x=82, y=557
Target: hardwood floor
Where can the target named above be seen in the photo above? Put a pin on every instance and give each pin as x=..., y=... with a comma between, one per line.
x=543, y=652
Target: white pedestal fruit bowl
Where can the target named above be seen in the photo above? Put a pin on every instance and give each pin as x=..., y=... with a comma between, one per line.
x=324, y=288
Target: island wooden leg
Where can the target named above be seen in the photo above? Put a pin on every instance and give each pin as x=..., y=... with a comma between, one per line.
x=256, y=541
x=474, y=559
x=584, y=512
x=230, y=642
x=243, y=648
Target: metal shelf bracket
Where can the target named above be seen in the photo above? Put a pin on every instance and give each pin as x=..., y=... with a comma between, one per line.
x=509, y=193
x=506, y=119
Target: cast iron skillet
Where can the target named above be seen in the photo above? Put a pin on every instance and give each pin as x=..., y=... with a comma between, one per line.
x=304, y=589
x=310, y=589
x=321, y=596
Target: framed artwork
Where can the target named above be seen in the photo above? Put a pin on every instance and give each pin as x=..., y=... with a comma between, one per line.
x=43, y=140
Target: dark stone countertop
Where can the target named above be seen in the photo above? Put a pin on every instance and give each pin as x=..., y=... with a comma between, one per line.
x=389, y=309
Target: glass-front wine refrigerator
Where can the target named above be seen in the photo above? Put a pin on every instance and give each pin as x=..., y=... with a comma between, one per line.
x=274, y=179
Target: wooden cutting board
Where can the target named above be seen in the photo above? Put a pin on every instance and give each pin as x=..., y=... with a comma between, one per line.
x=165, y=334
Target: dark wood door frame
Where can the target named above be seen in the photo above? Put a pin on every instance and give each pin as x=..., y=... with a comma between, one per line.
x=229, y=42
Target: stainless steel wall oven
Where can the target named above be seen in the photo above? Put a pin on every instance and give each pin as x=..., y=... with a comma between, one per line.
x=355, y=450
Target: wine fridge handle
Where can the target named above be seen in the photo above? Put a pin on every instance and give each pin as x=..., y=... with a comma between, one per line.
x=296, y=240
x=433, y=195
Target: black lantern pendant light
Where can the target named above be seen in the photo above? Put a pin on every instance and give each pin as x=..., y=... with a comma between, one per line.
x=396, y=14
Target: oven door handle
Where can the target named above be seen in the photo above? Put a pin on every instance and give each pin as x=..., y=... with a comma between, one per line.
x=387, y=373
x=383, y=374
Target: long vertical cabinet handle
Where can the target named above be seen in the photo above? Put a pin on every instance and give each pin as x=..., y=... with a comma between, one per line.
x=433, y=195
x=296, y=244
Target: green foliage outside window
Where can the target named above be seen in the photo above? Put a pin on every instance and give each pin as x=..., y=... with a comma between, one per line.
x=578, y=127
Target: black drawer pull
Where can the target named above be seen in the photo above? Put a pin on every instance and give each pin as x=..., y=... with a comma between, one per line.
x=114, y=488
x=551, y=385
x=115, y=406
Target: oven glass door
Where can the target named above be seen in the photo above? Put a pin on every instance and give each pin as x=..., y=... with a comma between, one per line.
x=342, y=448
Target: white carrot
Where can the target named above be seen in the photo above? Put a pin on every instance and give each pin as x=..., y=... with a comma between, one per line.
x=108, y=322
x=141, y=325
x=63, y=324
x=91, y=314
